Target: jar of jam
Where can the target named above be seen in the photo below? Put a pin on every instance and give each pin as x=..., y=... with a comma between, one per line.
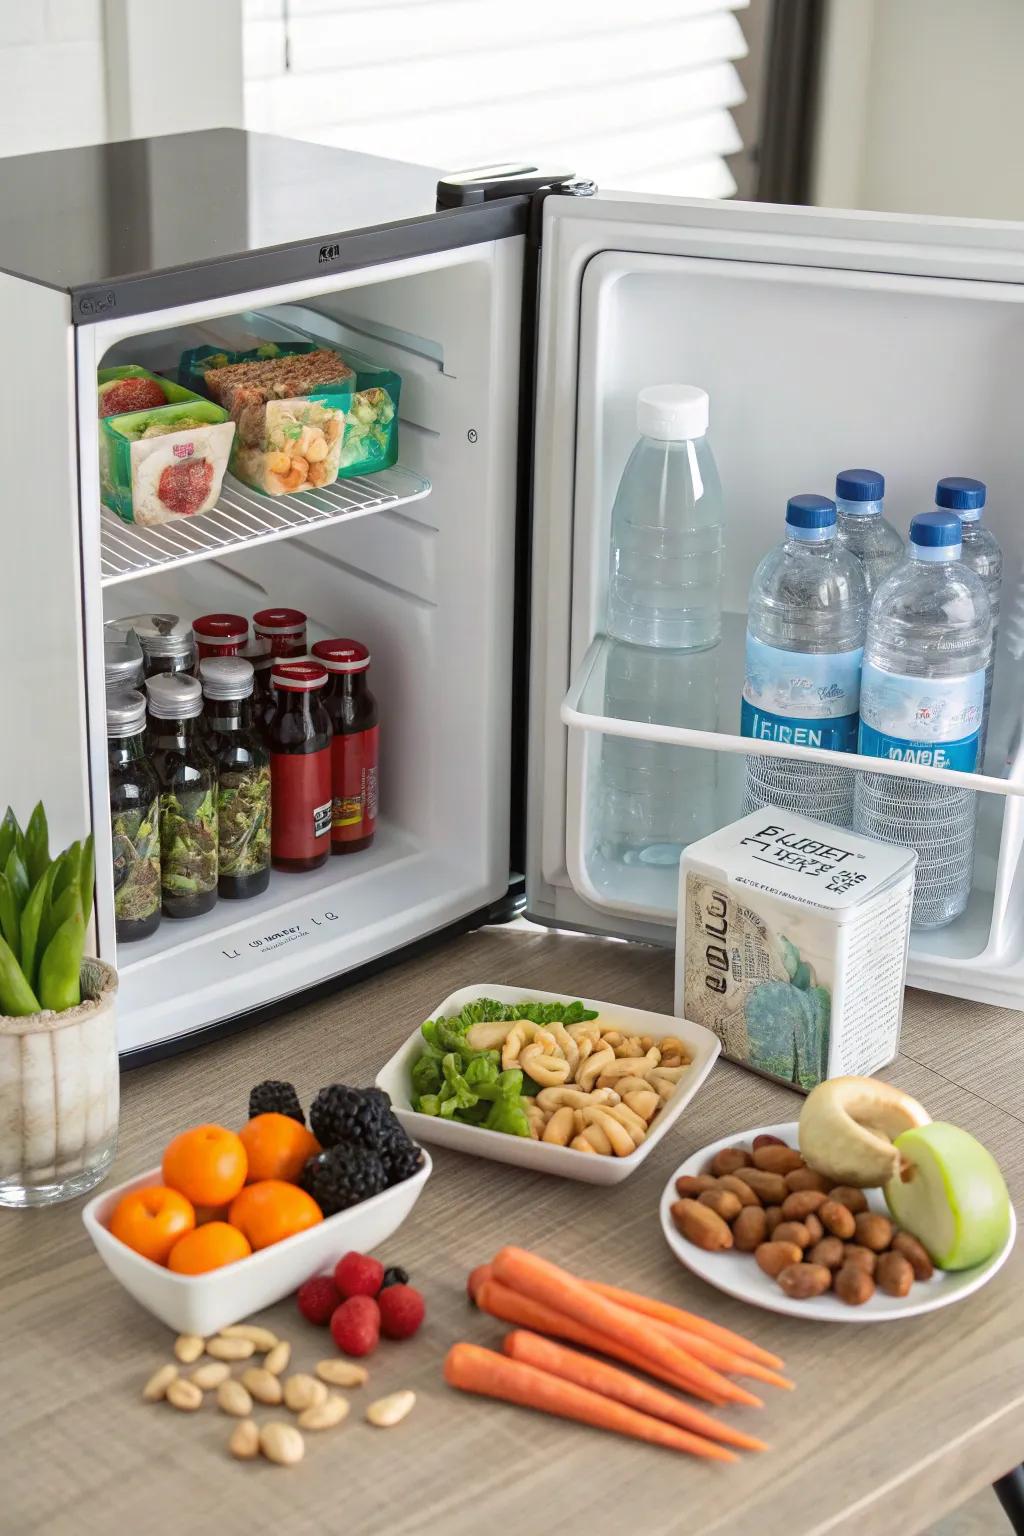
x=188, y=795
x=243, y=777
x=300, y=768
x=354, y=720
x=285, y=628
x=167, y=643
x=261, y=658
x=134, y=818
x=220, y=634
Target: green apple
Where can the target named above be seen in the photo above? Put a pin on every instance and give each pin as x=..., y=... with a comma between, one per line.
x=950, y=1195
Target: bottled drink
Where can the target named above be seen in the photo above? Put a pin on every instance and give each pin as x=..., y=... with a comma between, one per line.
x=922, y=696
x=134, y=818
x=356, y=724
x=285, y=628
x=167, y=644
x=805, y=635
x=243, y=778
x=300, y=768
x=981, y=552
x=261, y=658
x=220, y=634
x=861, y=526
x=188, y=795
x=122, y=662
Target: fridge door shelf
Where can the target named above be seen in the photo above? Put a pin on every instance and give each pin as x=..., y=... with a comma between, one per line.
x=244, y=517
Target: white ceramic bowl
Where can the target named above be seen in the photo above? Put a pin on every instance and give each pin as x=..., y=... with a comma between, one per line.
x=203, y=1303
x=540, y=1156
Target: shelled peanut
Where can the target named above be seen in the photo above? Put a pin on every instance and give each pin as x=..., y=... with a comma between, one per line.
x=806, y=1233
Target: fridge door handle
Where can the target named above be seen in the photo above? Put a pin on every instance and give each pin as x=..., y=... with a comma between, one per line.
x=482, y=183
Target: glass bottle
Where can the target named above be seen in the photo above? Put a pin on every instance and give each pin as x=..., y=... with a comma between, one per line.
x=261, y=658
x=220, y=634
x=134, y=818
x=243, y=777
x=285, y=628
x=300, y=768
x=167, y=643
x=355, y=722
x=122, y=662
x=188, y=795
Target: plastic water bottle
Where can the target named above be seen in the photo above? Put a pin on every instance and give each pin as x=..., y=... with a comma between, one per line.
x=664, y=612
x=664, y=585
x=862, y=527
x=922, y=696
x=982, y=553
x=805, y=635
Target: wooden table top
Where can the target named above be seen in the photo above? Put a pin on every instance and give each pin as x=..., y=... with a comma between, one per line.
x=890, y=1425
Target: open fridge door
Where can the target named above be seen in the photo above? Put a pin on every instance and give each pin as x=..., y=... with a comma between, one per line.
x=823, y=339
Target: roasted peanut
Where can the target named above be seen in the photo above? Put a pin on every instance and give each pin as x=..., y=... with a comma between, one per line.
x=770, y=1187
x=853, y=1285
x=828, y=1251
x=815, y=1230
x=188, y=1347
x=860, y=1257
x=801, y=1203
x=234, y=1399
x=873, y=1230
x=764, y=1140
x=264, y=1385
x=728, y=1160
x=855, y=1200
x=806, y=1178
x=155, y=1389
x=302, y=1391
x=894, y=1274
x=690, y=1185
x=750, y=1229
x=837, y=1219
x=210, y=1374
x=282, y=1443
x=802, y=1281
x=774, y=1257
x=792, y=1232
x=727, y=1205
x=772, y=1216
x=777, y=1159
x=342, y=1373
x=916, y=1253
x=701, y=1225
x=184, y=1395
x=743, y=1192
x=324, y=1415
x=259, y=1338
x=244, y=1443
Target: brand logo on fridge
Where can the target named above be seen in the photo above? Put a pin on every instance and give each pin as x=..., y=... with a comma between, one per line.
x=329, y=253
x=268, y=942
x=97, y=303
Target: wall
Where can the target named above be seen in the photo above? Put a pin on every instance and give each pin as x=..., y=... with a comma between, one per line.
x=52, y=67
x=921, y=108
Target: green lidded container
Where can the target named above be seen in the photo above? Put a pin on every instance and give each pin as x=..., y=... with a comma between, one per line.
x=168, y=462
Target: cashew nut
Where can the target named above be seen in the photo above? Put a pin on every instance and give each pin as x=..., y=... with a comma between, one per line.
x=566, y=1044
x=642, y=1102
x=551, y=1099
x=536, y=1117
x=543, y=1060
x=622, y=1143
x=561, y=1128
x=595, y=1138
x=595, y=1064
x=630, y=1066
x=487, y=1036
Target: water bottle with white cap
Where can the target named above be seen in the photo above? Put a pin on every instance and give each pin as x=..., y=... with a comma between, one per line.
x=928, y=644
x=981, y=551
x=863, y=528
x=805, y=634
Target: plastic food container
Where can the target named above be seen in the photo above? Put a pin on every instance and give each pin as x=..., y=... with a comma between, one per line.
x=541, y=1156
x=169, y=462
x=204, y=1303
x=125, y=390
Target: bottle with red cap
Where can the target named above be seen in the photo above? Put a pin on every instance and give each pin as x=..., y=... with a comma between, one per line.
x=284, y=628
x=299, y=737
x=220, y=634
x=355, y=721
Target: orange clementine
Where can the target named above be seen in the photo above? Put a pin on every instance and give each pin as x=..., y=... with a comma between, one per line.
x=208, y=1247
x=272, y=1210
x=276, y=1146
x=152, y=1220
x=207, y=1164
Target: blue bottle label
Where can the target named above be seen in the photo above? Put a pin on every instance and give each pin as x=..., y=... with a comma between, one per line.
x=934, y=721
x=799, y=699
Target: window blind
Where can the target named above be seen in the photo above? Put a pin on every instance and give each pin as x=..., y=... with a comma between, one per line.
x=638, y=99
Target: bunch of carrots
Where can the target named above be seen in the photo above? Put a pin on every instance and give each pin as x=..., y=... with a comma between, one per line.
x=680, y=1348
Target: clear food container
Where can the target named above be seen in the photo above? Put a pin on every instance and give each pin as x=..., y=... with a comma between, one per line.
x=130, y=388
x=165, y=463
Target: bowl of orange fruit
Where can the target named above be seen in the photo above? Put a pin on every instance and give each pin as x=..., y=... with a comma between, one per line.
x=232, y=1221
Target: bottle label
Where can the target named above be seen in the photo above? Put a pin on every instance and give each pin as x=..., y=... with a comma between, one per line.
x=934, y=721
x=300, y=803
x=354, y=783
x=800, y=699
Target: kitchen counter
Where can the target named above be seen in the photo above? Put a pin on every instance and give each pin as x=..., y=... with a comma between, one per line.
x=889, y=1426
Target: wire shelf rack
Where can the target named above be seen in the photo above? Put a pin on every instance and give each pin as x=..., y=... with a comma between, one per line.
x=243, y=517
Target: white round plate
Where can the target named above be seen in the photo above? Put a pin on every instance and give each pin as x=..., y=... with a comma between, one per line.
x=737, y=1274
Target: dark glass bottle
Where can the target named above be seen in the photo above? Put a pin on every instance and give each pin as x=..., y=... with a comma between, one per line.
x=134, y=818
x=259, y=655
x=284, y=629
x=220, y=634
x=188, y=795
x=300, y=768
x=122, y=661
x=355, y=722
x=243, y=777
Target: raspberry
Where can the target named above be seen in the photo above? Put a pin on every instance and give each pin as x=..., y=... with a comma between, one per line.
x=184, y=487
x=402, y=1310
x=355, y=1325
x=356, y=1274
x=318, y=1299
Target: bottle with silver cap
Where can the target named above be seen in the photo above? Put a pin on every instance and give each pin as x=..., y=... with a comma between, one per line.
x=134, y=818
x=167, y=643
x=243, y=777
x=122, y=661
x=188, y=795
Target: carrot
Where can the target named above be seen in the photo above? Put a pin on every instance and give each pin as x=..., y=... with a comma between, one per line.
x=718, y=1358
x=536, y=1277
x=508, y=1305
x=568, y=1364
x=472, y=1369
x=476, y=1279
x=690, y=1322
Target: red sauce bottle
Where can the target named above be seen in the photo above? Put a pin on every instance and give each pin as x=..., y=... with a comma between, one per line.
x=220, y=634
x=285, y=628
x=299, y=738
x=355, y=720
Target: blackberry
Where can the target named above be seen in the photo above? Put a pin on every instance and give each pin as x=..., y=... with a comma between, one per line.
x=343, y=1176
x=396, y=1275
x=273, y=1098
x=350, y=1116
x=400, y=1156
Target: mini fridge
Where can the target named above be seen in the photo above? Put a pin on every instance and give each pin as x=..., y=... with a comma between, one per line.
x=522, y=312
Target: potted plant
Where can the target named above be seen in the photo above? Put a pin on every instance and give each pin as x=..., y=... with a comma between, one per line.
x=58, y=1039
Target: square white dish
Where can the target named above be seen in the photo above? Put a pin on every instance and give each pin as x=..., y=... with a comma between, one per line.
x=204, y=1303
x=524, y=1152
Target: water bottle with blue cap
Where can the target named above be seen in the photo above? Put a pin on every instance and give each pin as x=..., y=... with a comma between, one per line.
x=982, y=553
x=805, y=634
x=929, y=638
x=863, y=528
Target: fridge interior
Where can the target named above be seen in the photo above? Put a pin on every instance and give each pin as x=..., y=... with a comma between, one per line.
x=414, y=561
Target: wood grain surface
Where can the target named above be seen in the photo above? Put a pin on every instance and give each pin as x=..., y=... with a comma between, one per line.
x=890, y=1425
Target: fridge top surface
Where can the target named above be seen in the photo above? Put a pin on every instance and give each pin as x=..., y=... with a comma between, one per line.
x=148, y=223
